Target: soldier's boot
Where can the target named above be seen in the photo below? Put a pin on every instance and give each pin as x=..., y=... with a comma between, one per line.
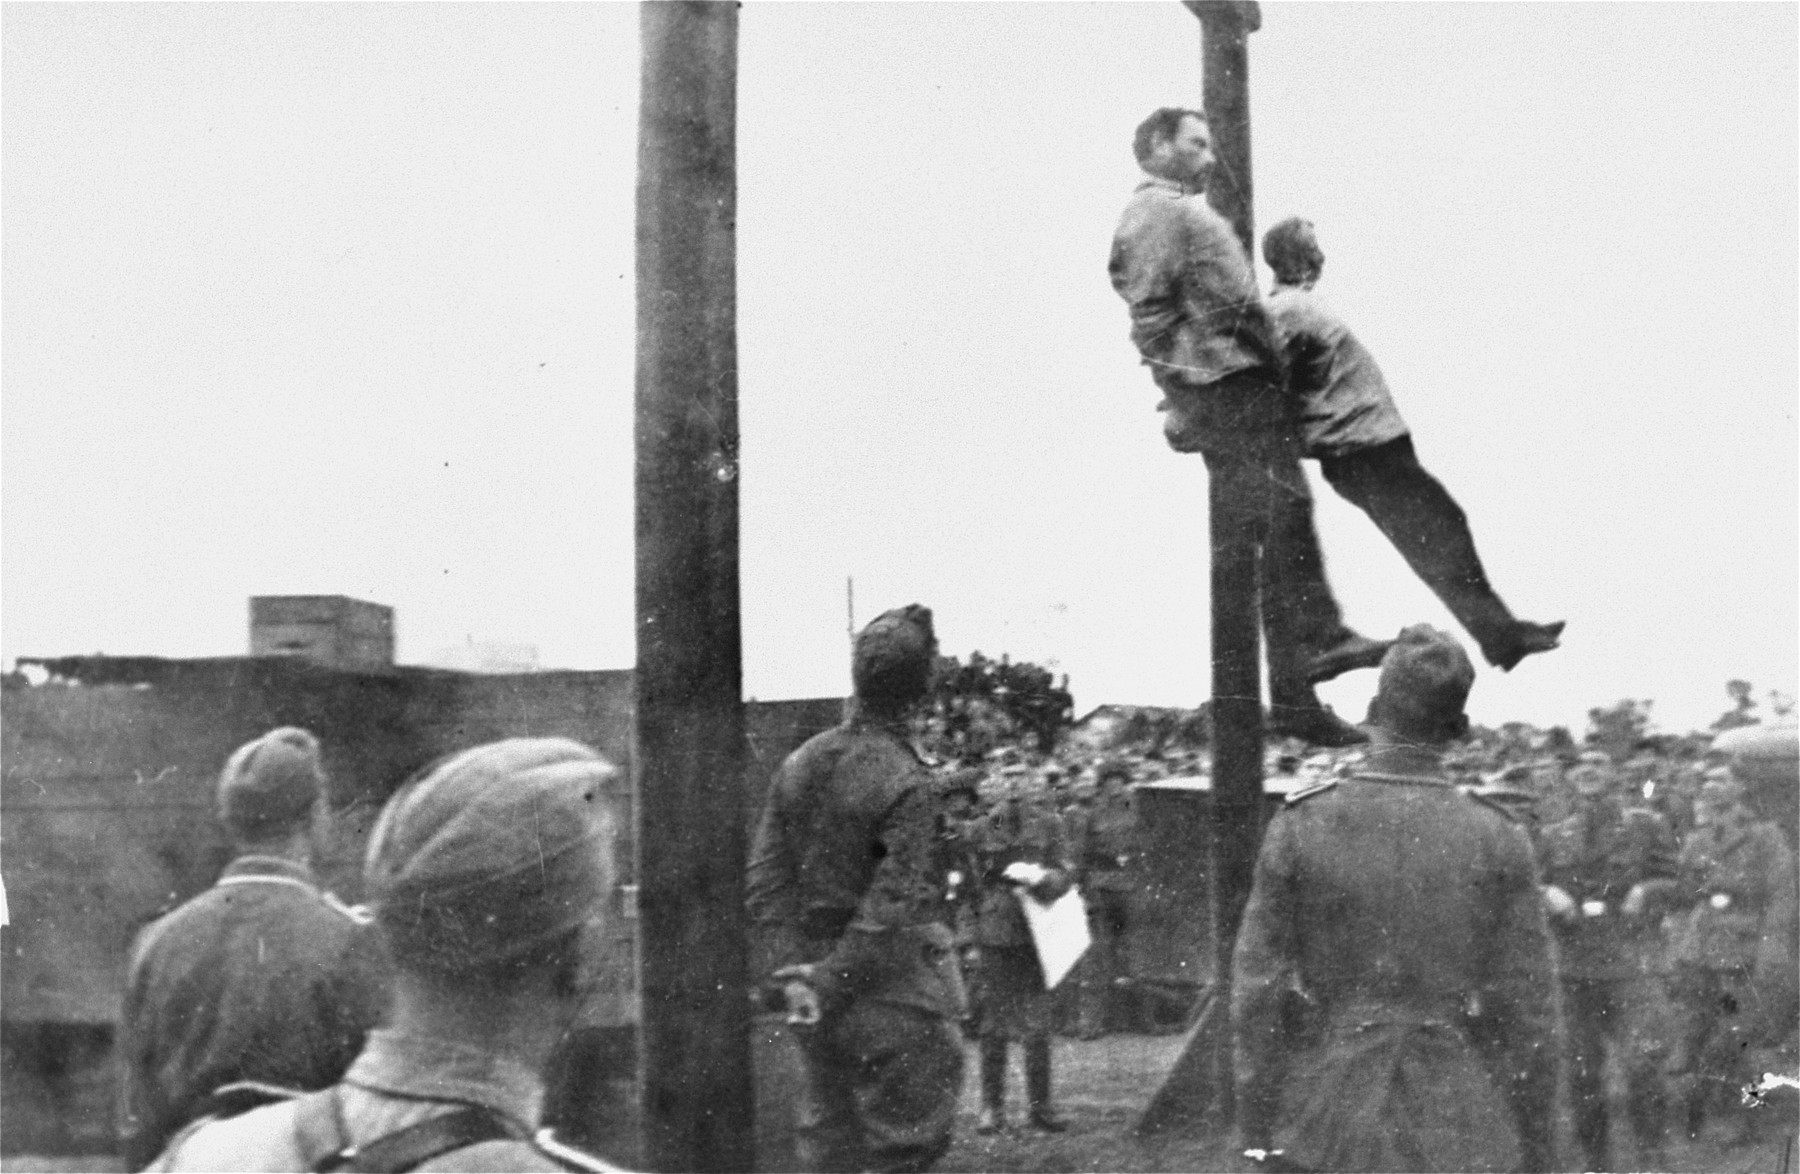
x=1587, y=1096
x=1648, y=1101
x=1037, y=1085
x=1690, y=1105
x=1591, y=1130
x=993, y=1084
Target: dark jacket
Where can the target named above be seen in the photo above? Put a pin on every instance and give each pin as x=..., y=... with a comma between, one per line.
x=1393, y=990
x=1016, y=831
x=1104, y=845
x=1741, y=882
x=262, y=977
x=1597, y=855
x=1196, y=314
x=844, y=871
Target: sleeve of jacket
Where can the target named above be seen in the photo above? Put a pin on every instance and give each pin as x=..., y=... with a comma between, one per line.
x=1144, y=268
x=901, y=897
x=1263, y=967
x=354, y=997
x=143, y=1112
x=1519, y=1004
x=1775, y=974
x=772, y=889
x=1055, y=852
x=1078, y=825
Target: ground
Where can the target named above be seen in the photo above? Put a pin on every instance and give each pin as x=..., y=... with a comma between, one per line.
x=1101, y=1086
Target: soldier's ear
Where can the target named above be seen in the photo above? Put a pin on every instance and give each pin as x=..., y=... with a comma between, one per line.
x=1459, y=726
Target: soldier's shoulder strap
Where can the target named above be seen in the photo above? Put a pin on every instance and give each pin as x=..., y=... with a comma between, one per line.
x=1295, y=798
x=319, y=1135
x=1491, y=802
x=569, y=1157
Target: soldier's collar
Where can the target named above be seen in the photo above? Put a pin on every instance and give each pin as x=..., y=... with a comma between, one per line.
x=1403, y=761
x=1376, y=776
x=268, y=868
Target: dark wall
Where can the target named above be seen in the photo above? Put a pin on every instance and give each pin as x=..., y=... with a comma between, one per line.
x=107, y=777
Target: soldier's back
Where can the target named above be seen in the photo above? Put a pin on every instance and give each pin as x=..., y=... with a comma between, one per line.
x=262, y=977
x=1404, y=883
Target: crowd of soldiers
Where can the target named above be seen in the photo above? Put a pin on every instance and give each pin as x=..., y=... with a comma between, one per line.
x=888, y=887
x=1670, y=900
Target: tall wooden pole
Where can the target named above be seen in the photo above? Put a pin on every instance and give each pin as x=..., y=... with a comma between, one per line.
x=1198, y=1088
x=1237, y=679
x=698, y=1109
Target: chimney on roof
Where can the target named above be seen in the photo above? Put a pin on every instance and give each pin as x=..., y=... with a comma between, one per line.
x=332, y=630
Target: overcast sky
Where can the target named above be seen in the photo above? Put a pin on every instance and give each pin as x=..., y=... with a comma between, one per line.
x=338, y=299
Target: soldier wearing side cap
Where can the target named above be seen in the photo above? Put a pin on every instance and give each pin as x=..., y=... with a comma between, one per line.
x=1393, y=983
x=263, y=977
x=846, y=894
x=1609, y=869
x=488, y=875
x=1733, y=974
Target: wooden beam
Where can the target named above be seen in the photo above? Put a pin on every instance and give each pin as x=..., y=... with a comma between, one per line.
x=1237, y=677
x=1199, y=1087
x=698, y=1110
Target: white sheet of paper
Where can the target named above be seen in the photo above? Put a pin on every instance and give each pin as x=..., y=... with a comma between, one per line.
x=1059, y=930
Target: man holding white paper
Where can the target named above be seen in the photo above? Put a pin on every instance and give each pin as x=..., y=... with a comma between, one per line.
x=1020, y=848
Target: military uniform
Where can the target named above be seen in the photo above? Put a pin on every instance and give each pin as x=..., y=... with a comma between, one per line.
x=1105, y=850
x=1009, y=980
x=844, y=875
x=262, y=977
x=1732, y=957
x=1393, y=985
x=1612, y=964
x=484, y=874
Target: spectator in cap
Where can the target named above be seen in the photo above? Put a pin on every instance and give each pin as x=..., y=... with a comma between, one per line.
x=1609, y=869
x=1105, y=849
x=1200, y=326
x=1733, y=979
x=1393, y=989
x=264, y=977
x=487, y=874
x=1349, y=424
x=1012, y=999
x=846, y=895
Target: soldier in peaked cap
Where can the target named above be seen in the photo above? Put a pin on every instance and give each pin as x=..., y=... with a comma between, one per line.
x=1106, y=848
x=1733, y=951
x=1009, y=988
x=263, y=977
x=1609, y=869
x=1393, y=988
x=845, y=893
x=485, y=874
